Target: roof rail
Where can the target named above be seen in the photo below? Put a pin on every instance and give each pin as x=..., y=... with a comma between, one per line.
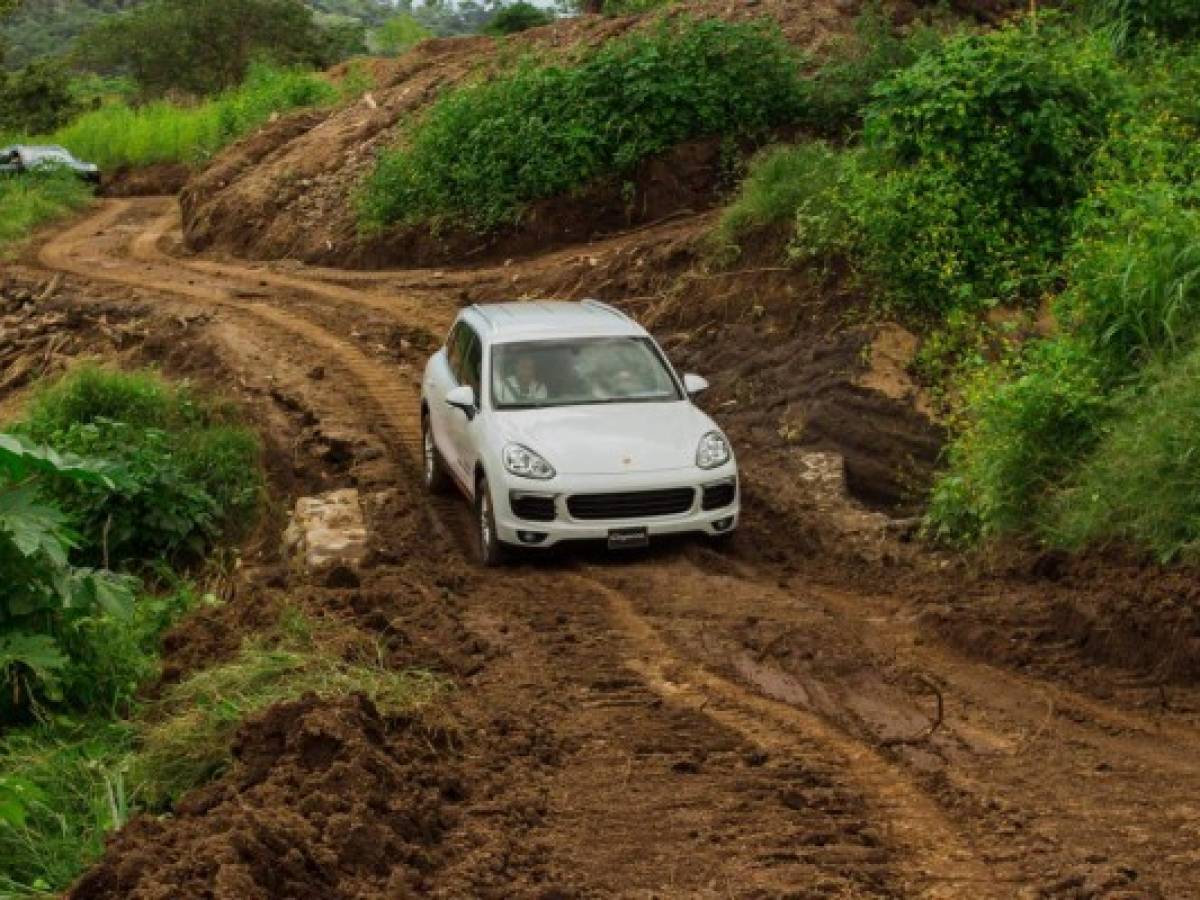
x=601, y=305
x=479, y=309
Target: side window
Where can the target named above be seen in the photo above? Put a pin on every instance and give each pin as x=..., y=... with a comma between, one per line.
x=454, y=348
x=473, y=366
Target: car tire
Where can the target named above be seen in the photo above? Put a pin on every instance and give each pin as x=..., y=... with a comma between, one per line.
x=492, y=551
x=432, y=468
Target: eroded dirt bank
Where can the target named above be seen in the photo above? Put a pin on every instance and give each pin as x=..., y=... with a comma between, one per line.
x=762, y=722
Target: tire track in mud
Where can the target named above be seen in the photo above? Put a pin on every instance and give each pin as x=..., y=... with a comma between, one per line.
x=932, y=859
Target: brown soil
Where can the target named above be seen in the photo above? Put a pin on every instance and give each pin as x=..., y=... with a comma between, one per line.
x=821, y=710
x=147, y=181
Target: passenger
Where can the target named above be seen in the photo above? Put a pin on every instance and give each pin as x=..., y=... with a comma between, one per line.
x=522, y=384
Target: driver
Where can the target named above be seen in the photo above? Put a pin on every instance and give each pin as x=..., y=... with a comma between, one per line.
x=521, y=384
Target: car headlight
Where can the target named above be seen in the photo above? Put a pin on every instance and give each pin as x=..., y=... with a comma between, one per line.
x=713, y=451
x=524, y=463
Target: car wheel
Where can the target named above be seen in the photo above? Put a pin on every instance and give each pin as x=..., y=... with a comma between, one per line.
x=433, y=469
x=492, y=551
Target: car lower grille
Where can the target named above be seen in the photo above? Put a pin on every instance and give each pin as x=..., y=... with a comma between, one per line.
x=718, y=496
x=632, y=505
x=532, y=507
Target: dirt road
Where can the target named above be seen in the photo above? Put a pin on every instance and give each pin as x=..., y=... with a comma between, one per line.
x=684, y=723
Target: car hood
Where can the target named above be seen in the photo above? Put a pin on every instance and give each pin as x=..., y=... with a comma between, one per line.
x=607, y=439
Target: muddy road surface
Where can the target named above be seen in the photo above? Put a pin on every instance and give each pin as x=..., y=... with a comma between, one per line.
x=690, y=722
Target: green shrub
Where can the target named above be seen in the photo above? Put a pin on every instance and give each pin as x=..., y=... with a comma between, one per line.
x=188, y=475
x=799, y=191
x=469, y=158
x=37, y=98
x=398, y=34
x=841, y=89
x=517, y=17
x=1026, y=424
x=1142, y=484
x=45, y=597
x=980, y=151
x=35, y=199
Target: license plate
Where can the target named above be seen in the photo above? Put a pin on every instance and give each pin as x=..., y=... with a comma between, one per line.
x=628, y=538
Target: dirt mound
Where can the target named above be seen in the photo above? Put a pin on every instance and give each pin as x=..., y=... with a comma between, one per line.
x=287, y=191
x=325, y=800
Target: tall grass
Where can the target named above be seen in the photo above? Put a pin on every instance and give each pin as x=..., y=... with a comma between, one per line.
x=122, y=135
x=29, y=201
x=1142, y=484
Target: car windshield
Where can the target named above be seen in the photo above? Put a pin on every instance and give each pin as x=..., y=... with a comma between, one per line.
x=49, y=154
x=580, y=371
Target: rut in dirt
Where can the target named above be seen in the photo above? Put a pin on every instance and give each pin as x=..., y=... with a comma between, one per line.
x=718, y=709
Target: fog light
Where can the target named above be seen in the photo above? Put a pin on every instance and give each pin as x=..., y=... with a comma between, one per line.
x=531, y=537
x=723, y=524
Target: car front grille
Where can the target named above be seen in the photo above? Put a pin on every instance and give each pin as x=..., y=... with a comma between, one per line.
x=632, y=504
x=532, y=507
x=718, y=496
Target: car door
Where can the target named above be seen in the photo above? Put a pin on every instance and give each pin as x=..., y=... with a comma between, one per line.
x=462, y=428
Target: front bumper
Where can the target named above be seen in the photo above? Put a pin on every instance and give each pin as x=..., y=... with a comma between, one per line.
x=526, y=532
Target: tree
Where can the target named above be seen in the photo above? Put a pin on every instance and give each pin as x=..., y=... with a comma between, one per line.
x=37, y=99
x=202, y=46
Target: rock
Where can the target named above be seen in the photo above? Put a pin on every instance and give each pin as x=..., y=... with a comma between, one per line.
x=327, y=531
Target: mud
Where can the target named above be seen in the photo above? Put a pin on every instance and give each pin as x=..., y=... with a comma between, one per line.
x=759, y=721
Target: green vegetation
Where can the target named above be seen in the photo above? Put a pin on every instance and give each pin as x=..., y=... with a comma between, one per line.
x=468, y=157
x=520, y=16
x=202, y=47
x=1046, y=166
x=34, y=200
x=791, y=192
x=81, y=778
x=398, y=34
x=118, y=134
x=188, y=471
x=108, y=470
x=188, y=734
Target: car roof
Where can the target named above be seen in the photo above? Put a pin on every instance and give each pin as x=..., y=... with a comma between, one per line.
x=547, y=319
x=39, y=148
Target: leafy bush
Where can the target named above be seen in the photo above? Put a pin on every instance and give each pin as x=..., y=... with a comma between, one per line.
x=841, y=90
x=37, y=98
x=1142, y=484
x=469, y=158
x=121, y=135
x=980, y=152
x=45, y=597
x=799, y=190
x=519, y=16
x=398, y=34
x=34, y=199
x=1027, y=423
x=188, y=475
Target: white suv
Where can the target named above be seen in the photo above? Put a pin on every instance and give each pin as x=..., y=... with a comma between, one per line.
x=564, y=421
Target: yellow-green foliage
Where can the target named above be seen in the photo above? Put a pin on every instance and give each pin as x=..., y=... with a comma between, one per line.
x=122, y=135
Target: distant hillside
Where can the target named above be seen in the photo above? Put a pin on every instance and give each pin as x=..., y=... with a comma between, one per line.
x=48, y=27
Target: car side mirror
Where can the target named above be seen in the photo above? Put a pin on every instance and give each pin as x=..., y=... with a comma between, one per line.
x=463, y=397
x=695, y=384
